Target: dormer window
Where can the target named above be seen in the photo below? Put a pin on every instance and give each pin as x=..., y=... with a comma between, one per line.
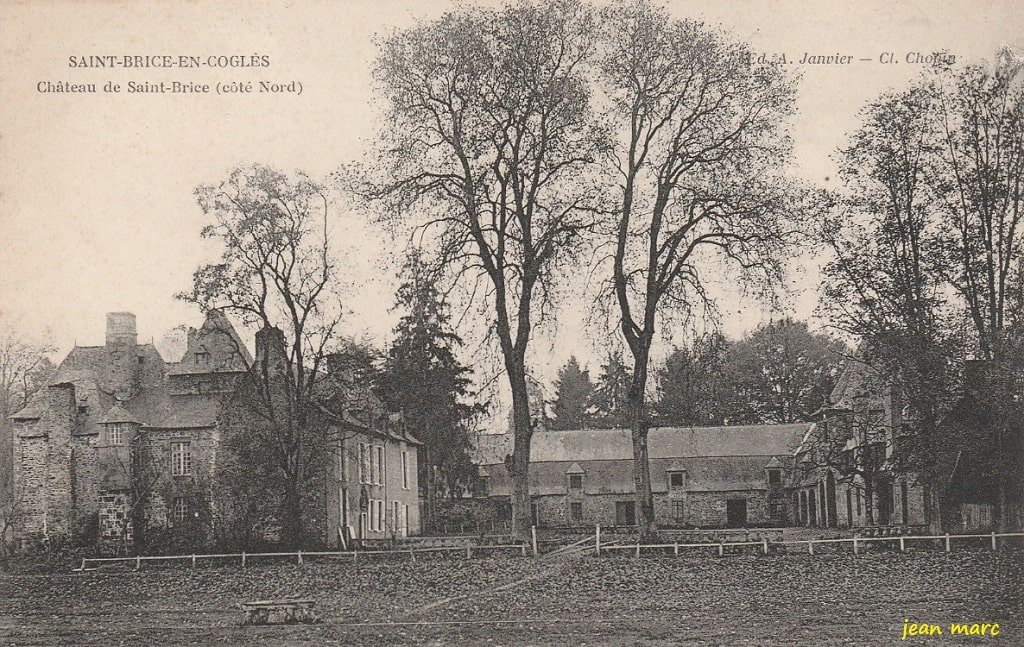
x=774, y=477
x=202, y=358
x=116, y=433
x=574, y=476
x=676, y=481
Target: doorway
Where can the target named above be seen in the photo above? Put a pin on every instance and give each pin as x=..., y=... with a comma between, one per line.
x=736, y=513
x=625, y=513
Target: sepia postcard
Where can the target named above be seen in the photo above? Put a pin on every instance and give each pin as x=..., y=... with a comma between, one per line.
x=511, y=322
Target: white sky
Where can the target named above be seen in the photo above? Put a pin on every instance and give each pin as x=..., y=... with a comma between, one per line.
x=96, y=205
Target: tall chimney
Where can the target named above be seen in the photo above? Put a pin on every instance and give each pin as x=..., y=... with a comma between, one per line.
x=121, y=329
x=270, y=347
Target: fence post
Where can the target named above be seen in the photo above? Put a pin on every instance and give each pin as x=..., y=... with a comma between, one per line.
x=138, y=562
x=721, y=549
x=300, y=558
x=83, y=564
x=855, y=549
x=533, y=536
x=675, y=548
x=902, y=548
x=764, y=544
x=193, y=560
x=597, y=539
x=638, y=548
x=947, y=542
x=469, y=552
x=993, y=540
x=243, y=559
x=412, y=554
x=810, y=546
x=524, y=550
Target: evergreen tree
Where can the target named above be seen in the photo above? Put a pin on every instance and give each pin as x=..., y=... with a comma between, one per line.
x=423, y=379
x=610, y=394
x=574, y=391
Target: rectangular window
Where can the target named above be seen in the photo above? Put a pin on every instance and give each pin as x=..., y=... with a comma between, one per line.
x=858, y=503
x=179, y=509
x=774, y=477
x=576, y=511
x=678, y=510
x=380, y=515
x=364, y=463
x=202, y=358
x=115, y=434
x=181, y=459
x=405, y=513
x=394, y=516
x=676, y=480
x=405, y=470
x=575, y=481
x=373, y=515
x=372, y=477
x=380, y=465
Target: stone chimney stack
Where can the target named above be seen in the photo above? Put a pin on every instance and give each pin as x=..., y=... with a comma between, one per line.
x=121, y=329
x=270, y=347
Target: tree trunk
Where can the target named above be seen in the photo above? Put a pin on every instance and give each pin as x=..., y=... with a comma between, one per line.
x=431, y=492
x=869, y=500
x=291, y=517
x=637, y=419
x=522, y=432
x=933, y=510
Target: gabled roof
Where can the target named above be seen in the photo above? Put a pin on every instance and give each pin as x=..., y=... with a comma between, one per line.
x=117, y=414
x=575, y=469
x=224, y=349
x=663, y=443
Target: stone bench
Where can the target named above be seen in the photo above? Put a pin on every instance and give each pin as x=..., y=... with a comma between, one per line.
x=285, y=611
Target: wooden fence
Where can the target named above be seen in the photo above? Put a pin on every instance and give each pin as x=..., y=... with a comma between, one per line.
x=91, y=563
x=763, y=545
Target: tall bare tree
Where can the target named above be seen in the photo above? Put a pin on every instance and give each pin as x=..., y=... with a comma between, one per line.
x=277, y=272
x=883, y=284
x=24, y=368
x=981, y=183
x=699, y=140
x=488, y=139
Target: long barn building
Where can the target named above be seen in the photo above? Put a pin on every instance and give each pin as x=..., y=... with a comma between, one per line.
x=701, y=477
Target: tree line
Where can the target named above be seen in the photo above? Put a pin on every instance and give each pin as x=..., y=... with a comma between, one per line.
x=779, y=373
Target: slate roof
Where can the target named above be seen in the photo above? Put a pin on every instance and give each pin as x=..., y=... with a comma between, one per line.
x=129, y=383
x=117, y=414
x=220, y=340
x=664, y=443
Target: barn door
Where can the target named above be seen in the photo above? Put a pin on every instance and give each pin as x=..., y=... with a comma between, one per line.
x=736, y=513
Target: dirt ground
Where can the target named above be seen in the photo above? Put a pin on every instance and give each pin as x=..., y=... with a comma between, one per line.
x=697, y=600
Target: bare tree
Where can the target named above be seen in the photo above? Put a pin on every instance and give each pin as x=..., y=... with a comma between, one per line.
x=24, y=369
x=488, y=140
x=980, y=180
x=277, y=273
x=882, y=285
x=699, y=140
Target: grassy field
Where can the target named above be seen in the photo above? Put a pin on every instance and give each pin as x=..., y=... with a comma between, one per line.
x=737, y=600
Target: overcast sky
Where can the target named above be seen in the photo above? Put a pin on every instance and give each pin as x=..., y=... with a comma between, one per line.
x=96, y=206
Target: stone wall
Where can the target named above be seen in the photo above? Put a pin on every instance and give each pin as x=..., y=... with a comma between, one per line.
x=701, y=509
x=115, y=518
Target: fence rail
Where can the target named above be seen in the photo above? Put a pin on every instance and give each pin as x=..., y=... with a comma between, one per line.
x=299, y=556
x=764, y=544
